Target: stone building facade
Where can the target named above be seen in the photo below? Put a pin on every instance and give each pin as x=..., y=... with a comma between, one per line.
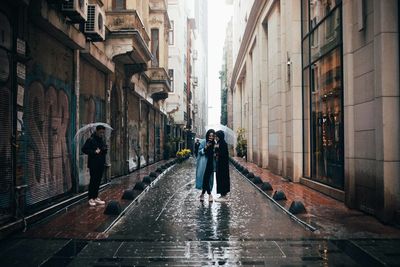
x=225, y=77
x=65, y=65
x=316, y=87
x=187, y=102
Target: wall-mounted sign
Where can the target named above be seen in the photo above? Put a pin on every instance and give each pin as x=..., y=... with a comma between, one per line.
x=20, y=122
x=21, y=71
x=21, y=47
x=20, y=95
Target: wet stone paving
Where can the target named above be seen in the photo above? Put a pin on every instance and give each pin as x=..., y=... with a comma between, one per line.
x=169, y=226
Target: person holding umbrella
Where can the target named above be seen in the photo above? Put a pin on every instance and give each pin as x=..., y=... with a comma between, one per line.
x=96, y=149
x=222, y=156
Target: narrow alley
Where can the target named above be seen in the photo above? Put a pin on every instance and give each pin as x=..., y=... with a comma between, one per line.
x=169, y=226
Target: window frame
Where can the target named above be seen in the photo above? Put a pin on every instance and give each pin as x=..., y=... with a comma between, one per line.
x=114, y=5
x=171, y=78
x=171, y=34
x=308, y=66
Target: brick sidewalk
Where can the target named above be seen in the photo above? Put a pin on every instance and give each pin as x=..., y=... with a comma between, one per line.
x=331, y=217
x=84, y=222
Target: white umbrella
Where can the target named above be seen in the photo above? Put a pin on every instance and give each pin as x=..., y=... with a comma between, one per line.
x=87, y=130
x=230, y=135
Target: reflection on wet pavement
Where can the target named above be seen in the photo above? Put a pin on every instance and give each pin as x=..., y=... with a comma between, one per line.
x=169, y=226
x=172, y=211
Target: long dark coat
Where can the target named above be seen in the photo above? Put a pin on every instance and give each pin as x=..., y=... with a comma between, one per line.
x=222, y=153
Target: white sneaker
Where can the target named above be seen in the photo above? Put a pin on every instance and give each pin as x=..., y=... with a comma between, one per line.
x=201, y=197
x=92, y=202
x=210, y=198
x=99, y=201
x=222, y=199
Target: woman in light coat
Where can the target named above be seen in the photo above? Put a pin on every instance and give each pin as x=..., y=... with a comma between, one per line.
x=205, y=165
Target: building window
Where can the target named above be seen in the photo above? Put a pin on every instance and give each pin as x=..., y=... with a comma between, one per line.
x=323, y=92
x=171, y=34
x=184, y=64
x=155, y=47
x=171, y=77
x=119, y=4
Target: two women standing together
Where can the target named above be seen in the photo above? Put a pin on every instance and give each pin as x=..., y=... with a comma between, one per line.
x=213, y=156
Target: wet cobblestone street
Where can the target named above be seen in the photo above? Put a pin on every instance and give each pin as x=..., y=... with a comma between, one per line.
x=172, y=212
x=169, y=226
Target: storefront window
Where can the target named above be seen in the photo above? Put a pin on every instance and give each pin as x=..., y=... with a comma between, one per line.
x=323, y=96
x=306, y=51
x=306, y=123
x=319, y=9
x=305, y=16
x=327, y=36
x=327, y=139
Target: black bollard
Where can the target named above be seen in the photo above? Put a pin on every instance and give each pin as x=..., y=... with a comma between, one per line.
x=257, y=180
x=113, y=208
x=153, y=174
x=250, y=175
x=297, y=207
x=279, y=195
x=140, y=186
x=147, y=180
x=129, y=195
x=266, y=186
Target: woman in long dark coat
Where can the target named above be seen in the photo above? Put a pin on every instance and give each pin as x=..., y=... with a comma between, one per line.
x=222, y=154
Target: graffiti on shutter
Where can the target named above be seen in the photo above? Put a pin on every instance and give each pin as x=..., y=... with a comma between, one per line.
x=116, y=141
x=133, y=130
x=151, y=136
x=6, y=174
x=5, y=151
x=48, y=158
x=144, y=134
x=45, y=158
x=157, y=133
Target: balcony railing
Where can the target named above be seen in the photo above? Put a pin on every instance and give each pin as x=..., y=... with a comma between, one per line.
x=125, y=20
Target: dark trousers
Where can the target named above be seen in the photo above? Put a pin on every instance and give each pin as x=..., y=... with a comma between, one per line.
x=95, y=179
x=206, y=182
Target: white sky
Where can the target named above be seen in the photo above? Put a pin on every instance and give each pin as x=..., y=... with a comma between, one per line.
x=219, y=14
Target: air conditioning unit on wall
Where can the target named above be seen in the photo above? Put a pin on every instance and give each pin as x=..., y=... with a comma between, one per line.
x=195, y=81
x=76, y=10
x=94, y=27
